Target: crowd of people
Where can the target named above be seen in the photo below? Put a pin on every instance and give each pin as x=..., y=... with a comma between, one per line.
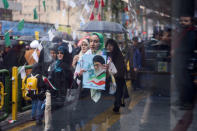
x=124, y=60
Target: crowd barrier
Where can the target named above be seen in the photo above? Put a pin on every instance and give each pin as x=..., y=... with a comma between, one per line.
x=12, y=94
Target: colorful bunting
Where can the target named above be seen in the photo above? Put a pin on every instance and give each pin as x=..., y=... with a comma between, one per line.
x=44, y=5
x=7, y=39
x=96, y=4
x=72, y=4
x=92, y=16
x=5, y=4
x=20, y=25
x=87, y=8
x=35, y=14
x=99, y=17
x=102, y=3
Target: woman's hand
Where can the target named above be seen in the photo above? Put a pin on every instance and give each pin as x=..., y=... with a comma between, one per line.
x=81, y=72
x=106, y=66
x=75, y=59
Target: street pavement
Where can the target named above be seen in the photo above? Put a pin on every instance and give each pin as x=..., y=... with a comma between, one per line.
x=143, y=112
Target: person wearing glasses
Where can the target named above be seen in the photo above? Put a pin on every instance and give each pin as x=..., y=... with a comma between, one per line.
x=61, y=78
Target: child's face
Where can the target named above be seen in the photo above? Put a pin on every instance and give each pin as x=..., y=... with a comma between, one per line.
x=185, y=21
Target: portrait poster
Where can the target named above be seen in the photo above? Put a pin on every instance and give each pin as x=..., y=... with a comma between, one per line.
x=94, y=76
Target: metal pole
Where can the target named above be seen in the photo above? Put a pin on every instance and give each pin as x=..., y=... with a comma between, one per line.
x=14, y=92
x=39, y=10
x=68, y=15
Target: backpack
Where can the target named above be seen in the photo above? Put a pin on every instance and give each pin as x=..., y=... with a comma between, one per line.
x=30, y=86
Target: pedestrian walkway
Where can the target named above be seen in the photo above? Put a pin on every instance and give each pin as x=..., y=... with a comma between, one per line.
x=143, y=112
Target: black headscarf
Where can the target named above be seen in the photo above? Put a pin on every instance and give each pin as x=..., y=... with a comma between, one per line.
x=117, y=57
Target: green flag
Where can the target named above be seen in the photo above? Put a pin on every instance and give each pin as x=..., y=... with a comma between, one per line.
x=35, y=14
x=7, y=39
x=44, y=5
x=5, y=3
x=20, y=25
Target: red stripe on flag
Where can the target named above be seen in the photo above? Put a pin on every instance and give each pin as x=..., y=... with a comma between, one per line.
x=98, y=83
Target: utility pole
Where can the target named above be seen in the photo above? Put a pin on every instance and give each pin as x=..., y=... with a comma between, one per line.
x=39, y=10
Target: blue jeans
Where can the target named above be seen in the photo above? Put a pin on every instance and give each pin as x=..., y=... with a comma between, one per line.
x=37, y=111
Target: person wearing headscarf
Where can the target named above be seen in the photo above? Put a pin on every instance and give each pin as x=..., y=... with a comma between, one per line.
x=84, y=49
x=61, y=74
x=61, y=78
x=96, y=48
x=38, y=99
x=117, y=58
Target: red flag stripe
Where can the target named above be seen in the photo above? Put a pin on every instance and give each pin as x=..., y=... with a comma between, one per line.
x=98, y=83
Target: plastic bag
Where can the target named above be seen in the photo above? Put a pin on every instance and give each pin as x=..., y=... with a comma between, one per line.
x=112, y=88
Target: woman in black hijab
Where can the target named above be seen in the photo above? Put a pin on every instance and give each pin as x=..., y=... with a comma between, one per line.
x=115, y=54
x=61, y=78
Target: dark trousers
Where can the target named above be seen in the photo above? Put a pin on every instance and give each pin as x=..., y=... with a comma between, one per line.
x=183, y=80
x=121, y=92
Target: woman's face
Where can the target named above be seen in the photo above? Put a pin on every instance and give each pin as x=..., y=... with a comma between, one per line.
x=84, y=47
x=110, y=47
x=53, y=54
x=60, y=55
x=94, y=43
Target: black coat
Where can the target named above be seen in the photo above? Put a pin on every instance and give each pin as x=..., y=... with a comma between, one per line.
x=61, y=80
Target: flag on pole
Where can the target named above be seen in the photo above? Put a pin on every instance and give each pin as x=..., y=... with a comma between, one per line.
x=35, y=56
x=5, y=4
x=35, y=14
x=99, y=16
x=20, y=25
x=102, y=3
x=64, y=13
x=7, y=39
x=51, y=35
x=22, y=72
x=72, y=4
x=92, y=16
x=44, y=5
x=96, y=4
x=99, y=12
x=36, y=35
x=87, y=8
x=56, y=25
x=82, y=19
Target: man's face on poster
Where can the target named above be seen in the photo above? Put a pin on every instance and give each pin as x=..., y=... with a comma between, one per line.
x=98, y=67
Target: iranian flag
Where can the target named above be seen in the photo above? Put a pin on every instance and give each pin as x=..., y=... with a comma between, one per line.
x=99, y=80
